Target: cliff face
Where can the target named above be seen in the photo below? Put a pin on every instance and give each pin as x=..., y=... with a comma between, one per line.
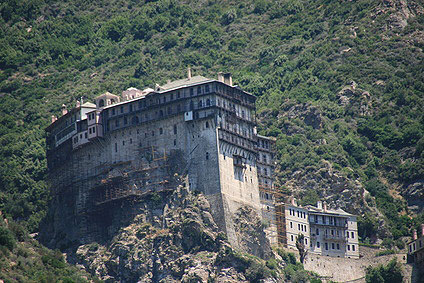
x=182, y=243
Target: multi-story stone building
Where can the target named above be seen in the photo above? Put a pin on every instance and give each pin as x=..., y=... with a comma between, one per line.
x=100, y=154
x=267, y=191
x=416, y=249
x=327, y=232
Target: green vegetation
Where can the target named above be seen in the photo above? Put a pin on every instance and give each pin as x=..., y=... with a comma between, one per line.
x=294, y=270
x=23, y=259
x=392, y=272
x=288, y=53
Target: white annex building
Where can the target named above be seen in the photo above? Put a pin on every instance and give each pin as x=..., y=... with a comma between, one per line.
x=327, y=232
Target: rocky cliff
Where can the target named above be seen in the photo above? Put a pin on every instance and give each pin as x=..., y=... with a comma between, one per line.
x=181, y=244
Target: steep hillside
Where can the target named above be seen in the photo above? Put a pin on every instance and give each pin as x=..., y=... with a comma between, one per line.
x=23, y=259
x=340, y=84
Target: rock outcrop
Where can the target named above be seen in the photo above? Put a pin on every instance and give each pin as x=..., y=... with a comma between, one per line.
x=183, y=244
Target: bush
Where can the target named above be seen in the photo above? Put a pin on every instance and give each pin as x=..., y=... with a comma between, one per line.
x=392, y=273
x=7, y=239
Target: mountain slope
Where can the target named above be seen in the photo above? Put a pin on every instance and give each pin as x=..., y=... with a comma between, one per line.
x=340, y=84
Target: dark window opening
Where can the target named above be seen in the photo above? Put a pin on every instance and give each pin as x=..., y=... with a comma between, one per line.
x=160, y=131
x=191, y=92
x=207, y=155
x=125, y=120
x=206, y=88
x=116, y=147
x=207, y=124
x=208, y=102
x=122, y=109
x=175, y=129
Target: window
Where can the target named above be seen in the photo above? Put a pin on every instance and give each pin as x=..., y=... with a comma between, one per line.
x=326, y=246
x=161, y=113
x=338, y=246
x=94, y=130
x=332, y=246
x=122, y=109
x=123, y=142
x=353, y=247
x=113, y=111
x=206, y=88
x=175, y=129
x=207, y=124
x=199, y=90
x=292, y=238
x=101, y=103
x=191, y=105
x=317, y=231
x=172, y=96
x=298, y=226
x=199, y=104
x=306, y=241
x=291, y=224
x=160, y=131
x=191, y=92
x=175, y=142
x=89, y=131
x=125, y=120
x=153, y=133
x=116, y=147
x=318, y=244
x=347, y=234
x=348, y=247
x=332, y=232
x=131, y=108
x=353, y=235
x=207, y=155
x=208, y=102
x=130, y=141
x=178, y=94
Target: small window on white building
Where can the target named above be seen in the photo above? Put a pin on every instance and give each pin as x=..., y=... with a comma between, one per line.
x=292, y=238
x=353, y=247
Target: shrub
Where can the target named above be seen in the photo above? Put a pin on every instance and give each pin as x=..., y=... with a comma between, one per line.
x=6, y=238
x=392, y=273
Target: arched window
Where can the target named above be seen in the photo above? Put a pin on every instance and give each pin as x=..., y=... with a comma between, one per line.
x=101, y=103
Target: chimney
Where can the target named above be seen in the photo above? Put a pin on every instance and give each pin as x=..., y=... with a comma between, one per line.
x=189, y=73
x=422, y=229
x=228, y=79
x=414, y=235
x=319, y=204
x=64, y=110
x=325, y=206
x=221, y=77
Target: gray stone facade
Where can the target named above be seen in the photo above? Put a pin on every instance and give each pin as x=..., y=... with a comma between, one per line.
x=194, y=132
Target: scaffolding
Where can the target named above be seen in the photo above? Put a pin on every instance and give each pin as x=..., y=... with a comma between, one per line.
x=150, y=174
x=274, y=213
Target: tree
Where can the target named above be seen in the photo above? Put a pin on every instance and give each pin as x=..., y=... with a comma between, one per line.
x=300, y=245
x=392, y=273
